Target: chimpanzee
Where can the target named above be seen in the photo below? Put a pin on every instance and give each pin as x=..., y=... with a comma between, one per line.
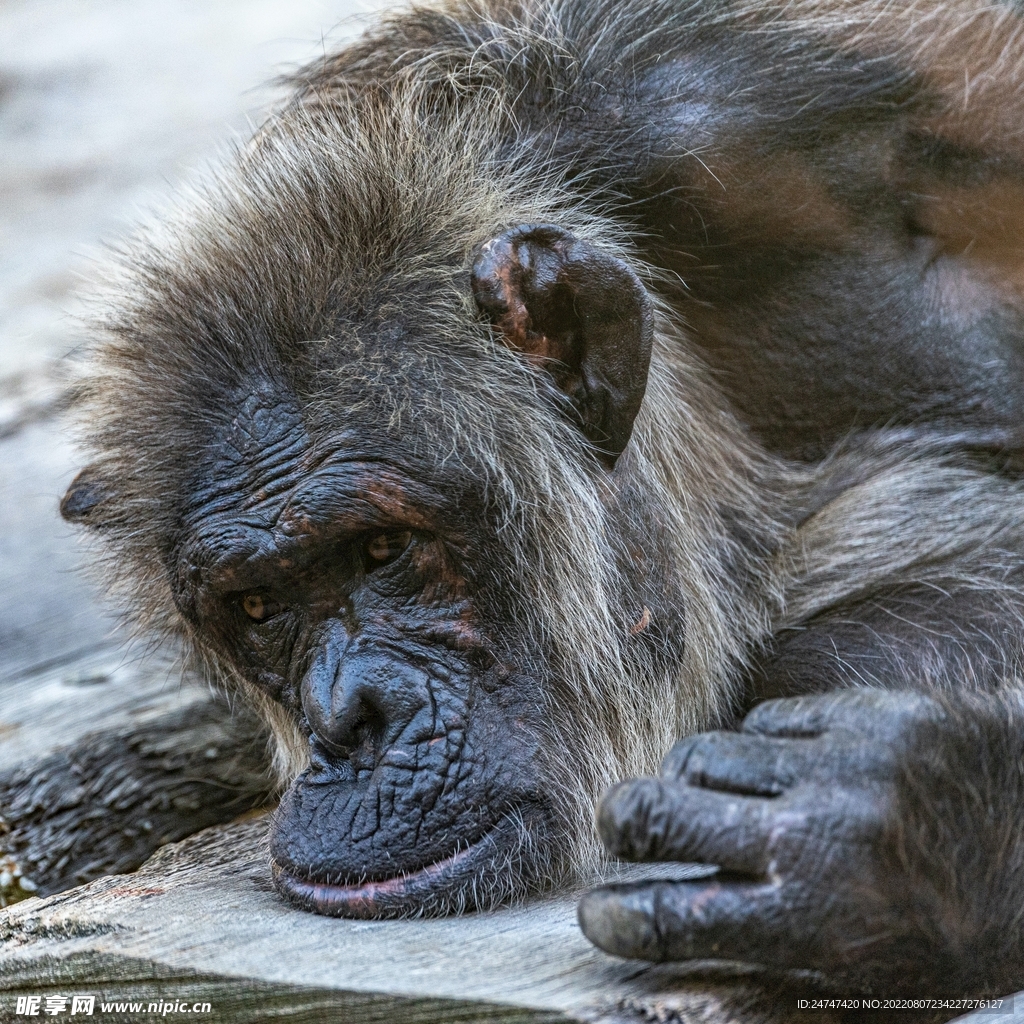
x=548, y=380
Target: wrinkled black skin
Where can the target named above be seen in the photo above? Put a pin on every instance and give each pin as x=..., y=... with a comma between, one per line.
x=421, y=741
x=799, y=793
x=871, y=837
x=422, y=707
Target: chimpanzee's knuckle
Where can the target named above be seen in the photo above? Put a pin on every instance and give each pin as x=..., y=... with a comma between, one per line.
x=631, y=818
x=676, y=760
x=790, y=716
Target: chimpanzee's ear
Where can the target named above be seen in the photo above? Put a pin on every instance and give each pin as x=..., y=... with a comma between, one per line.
x=580, y=314
x=83, y=502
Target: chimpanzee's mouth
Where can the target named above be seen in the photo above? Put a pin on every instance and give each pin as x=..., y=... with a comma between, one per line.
x=412, y=892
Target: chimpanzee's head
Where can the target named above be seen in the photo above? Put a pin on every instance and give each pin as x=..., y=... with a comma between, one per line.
x=359, y=420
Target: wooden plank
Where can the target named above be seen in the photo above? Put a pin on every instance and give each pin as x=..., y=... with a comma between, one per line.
x=201, y=922
x=105, y=805
x=105, y=691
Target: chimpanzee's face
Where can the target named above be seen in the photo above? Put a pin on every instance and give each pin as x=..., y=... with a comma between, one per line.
x=333, y=576
x=378, y=501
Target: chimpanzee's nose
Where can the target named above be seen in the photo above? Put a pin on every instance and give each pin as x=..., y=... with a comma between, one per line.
x=357, y=695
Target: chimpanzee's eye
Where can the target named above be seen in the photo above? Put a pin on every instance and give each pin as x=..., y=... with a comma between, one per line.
x=259, y=607
x=386, y=547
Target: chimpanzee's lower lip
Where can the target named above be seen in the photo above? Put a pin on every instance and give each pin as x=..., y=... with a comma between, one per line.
x=370, y=899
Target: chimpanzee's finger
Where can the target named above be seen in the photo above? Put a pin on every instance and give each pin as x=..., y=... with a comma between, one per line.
x=653, y=820
x=704, y=920
x=743, y=763
x=880, y=714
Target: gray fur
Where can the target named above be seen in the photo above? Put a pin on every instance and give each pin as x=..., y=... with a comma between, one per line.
x=370, y=189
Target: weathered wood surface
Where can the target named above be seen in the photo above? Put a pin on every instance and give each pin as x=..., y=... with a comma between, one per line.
x=201, y=922
x=103, y=805
x=50, y=616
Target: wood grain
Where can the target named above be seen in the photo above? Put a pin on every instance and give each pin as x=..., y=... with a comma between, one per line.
x=201, y=922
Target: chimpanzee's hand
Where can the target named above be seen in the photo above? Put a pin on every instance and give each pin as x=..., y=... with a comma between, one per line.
x=874, y=837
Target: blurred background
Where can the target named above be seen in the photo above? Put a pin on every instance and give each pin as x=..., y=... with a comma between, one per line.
x=104, y=106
